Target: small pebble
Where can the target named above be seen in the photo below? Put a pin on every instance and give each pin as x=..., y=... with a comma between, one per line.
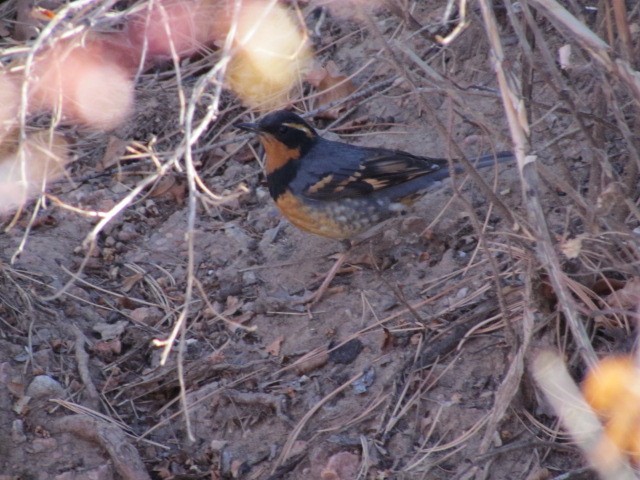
x=462, y=293
x=249, y=278
x=17, y=431
x=45, y=386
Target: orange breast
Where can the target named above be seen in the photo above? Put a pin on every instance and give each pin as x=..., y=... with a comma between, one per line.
x=317, y=219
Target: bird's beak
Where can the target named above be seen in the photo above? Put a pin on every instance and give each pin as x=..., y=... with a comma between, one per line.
x=249, y=127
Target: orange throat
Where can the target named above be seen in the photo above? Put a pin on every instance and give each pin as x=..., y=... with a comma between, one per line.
x=277, y=154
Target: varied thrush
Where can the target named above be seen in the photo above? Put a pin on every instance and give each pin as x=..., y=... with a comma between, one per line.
x=339, y=190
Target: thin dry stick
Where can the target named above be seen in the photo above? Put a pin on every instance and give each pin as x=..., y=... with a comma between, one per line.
x=192, y=134
x=565, y=92
x=83, y=367
x=516, y=116
x=126, y=459
x=482, y=243
x=632, y=168
x=600, y=51
x=62, y=18
x=511, y=383
x=622, y=24
x=293, y=436
x=215, y=390
x=468, y=166
x=90, y=241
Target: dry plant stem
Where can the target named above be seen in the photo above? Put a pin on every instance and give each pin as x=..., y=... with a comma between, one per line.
x=519, y=128
x=366, y=413
x=527, y=71
x=561, y=391
x=595, y=185
x=457, y=443
x=331, y=274
x=566, y=94
x=210, y=391
x=631, y=168
x=95, y=415
x=124, y=456
x=90, y=240
x=511, y=383
x=559, y=182
x=604, y=18
x=445, y=85
x=363, y=472
x=30, y=223
x=622, y=27
x=82, y=281
x=276, y=402
x=293, y=436
x=608, y=101
x=491, y=196
x=192, y=134
x=46, y=35
x=569, y=25
x=402, y=12
x=401, y=400
x=291, y=463
x=233, y=325
x=511, y=335
x=83, y=368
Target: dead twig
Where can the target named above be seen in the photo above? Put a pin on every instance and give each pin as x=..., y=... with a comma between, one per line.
x=515, y=111
x=122, y=453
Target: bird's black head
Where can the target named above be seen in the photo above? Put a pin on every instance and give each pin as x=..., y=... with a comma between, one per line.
x=286, y=127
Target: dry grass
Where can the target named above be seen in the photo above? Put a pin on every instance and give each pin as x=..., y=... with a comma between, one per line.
x=542, y=277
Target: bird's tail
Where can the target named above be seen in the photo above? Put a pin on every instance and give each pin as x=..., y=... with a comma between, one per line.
x=488, y=160
x=434, y=178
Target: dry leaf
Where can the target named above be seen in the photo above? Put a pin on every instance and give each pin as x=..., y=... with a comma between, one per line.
x=162, y=186
x=16, y=387
x=612, y=196
x=235, y=468
x=169, y=187
x=627, y=298
x=606, y=285
x=571, y=248
x=312, y=361
x=332, y=86
x=216, y=357
x=564, y=56
x=110, y=331
x=341, y=466
x=114, y=152
x=233, y=305
x=274, y=347
x=40, y=221
x=129, y=282
x=108, y=347
x=146, y=315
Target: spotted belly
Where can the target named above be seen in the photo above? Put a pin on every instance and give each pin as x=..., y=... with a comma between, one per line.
x=341, y=220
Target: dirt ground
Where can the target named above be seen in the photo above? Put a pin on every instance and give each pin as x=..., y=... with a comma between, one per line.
x=397, y=373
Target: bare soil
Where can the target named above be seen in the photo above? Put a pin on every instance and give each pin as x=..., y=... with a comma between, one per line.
x=393, y=374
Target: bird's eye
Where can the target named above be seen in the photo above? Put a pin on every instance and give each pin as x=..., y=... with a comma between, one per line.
x=283, y=129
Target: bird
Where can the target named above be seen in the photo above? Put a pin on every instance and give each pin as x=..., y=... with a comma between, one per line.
x=339, y=190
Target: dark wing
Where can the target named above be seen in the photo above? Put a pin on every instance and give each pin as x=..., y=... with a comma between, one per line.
x=354, y=172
